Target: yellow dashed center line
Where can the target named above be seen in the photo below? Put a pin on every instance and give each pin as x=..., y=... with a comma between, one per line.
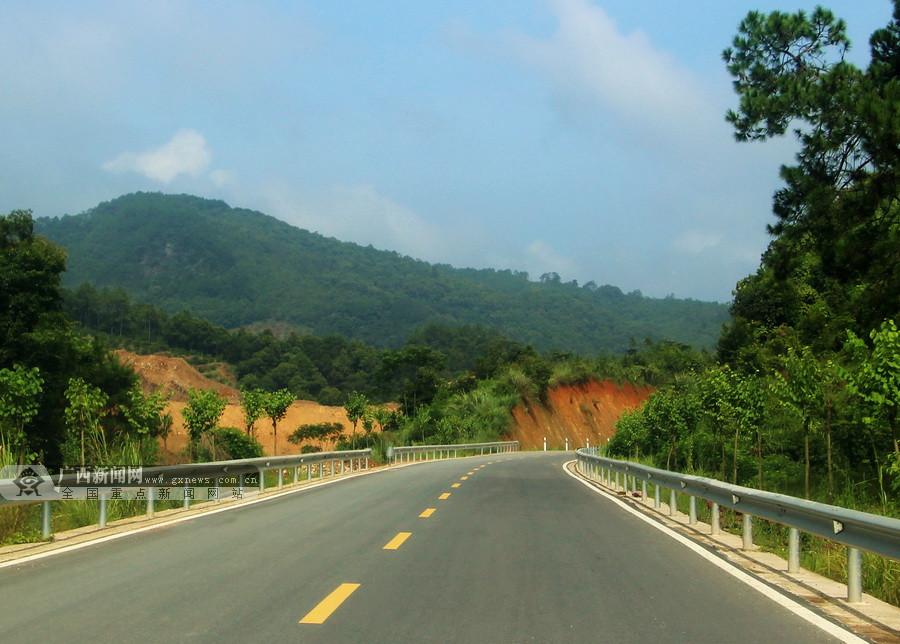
x=463, y=478
x=456, y=485
x=444, y=496
x=327, y=606
x=397, y=541
x=427, y=512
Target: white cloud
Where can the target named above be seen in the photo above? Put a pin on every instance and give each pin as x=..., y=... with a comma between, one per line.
x=543, y=259
x=361, y=214
x=589, y=57
x=185, y=153
x=221, y=178
x=694, y=242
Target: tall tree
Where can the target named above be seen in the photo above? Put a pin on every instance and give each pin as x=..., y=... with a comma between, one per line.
x=20, y=391
x=144, y=412
x=799, y=385
x=35, y=333
x=276, y=404
x=832, y=263
x=355, y=408
x=875, y=379
x=252, y=402
x=83, y=413
x=201, y=415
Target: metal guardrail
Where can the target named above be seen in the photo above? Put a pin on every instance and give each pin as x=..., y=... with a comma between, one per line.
x=315, y=465
x=412, y=453
x=856, y=530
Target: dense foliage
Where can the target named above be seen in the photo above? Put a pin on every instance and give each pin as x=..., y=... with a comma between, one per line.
x=806, y=395
x=47, y=366
x=237, y=267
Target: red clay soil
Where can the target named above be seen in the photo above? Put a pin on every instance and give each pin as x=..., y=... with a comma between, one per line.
x=581, y=412
x=301, y=412
x=176, y=377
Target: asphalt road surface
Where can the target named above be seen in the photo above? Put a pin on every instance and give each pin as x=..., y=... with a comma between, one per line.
x=518, y=552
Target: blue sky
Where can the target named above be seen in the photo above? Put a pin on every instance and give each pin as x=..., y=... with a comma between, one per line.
x=584, y=137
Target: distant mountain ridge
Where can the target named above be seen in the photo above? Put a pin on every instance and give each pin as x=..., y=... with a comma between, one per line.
x=236, y=267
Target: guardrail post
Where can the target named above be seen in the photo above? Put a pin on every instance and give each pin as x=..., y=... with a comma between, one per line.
x=747, y=532
x=673, y=502
x=45, y=520
x=617, y=482
x=625, y=483
x=102, y=521
x=309, y=467
x=794, y=550
x=656, y=503
x=150, y=508
x=714, y=519
x=186, y=500
x=262, y=480
x=692, y=514
x=644, y=491
x=367, y=462
x=297, y=473
x=280, y=478
x=854, y=575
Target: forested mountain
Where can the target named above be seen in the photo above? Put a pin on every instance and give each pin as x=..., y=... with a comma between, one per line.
x=236, y=267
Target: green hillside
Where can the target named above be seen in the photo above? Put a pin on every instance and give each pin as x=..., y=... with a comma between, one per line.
x=236, y=267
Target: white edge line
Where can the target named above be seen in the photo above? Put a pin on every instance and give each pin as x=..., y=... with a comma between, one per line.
x=793, y=606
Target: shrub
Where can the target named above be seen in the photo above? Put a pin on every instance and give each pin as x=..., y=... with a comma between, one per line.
x=237, y=444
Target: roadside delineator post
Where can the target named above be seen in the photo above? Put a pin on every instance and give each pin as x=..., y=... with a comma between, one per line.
x=854, y=575
x=747, y=532
x=794, y=550
x=45, y=520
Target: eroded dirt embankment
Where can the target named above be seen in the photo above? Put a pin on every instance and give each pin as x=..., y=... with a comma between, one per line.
x=580, y=412
x=176, y=377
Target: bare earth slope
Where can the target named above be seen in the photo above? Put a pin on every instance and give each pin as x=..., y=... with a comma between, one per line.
x=582, y=412
x=177, y=377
